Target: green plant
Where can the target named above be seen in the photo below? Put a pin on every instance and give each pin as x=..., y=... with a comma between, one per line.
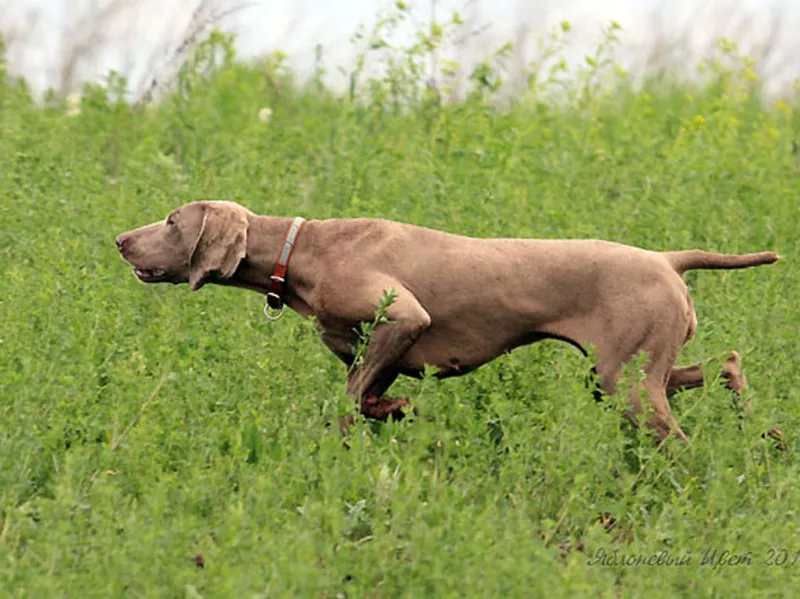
x=155, y=442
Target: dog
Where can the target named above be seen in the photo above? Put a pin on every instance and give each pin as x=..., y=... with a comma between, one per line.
x=459, y=302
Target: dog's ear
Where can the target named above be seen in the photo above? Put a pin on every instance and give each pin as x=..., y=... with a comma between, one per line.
x=221, y=243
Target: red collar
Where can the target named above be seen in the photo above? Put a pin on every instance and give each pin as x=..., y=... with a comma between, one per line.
x=278, y=278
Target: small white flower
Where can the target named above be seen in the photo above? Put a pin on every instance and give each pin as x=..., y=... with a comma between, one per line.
x=265, y=114
x=73, y=105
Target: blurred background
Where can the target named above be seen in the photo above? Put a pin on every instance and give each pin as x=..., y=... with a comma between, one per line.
x=60, y=44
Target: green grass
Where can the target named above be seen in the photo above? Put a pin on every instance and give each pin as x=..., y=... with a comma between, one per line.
x=142, y=426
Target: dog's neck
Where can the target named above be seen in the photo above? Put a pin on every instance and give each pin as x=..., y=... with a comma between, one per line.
x=265, y=238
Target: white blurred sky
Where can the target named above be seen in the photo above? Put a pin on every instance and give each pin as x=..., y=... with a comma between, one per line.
x=296, y=26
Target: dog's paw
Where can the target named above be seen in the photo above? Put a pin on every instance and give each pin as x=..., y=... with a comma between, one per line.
x=733, y=373
x=383, y=408
x=776, y=435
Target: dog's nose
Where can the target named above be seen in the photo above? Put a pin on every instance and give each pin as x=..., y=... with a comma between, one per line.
x=120, y=242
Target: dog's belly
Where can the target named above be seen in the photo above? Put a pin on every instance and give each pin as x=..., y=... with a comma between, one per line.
x=455, y=353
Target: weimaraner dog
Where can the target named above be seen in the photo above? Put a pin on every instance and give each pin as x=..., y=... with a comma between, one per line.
x=459, y=301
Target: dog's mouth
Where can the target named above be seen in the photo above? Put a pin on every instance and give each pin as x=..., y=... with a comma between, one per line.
x=150, y=275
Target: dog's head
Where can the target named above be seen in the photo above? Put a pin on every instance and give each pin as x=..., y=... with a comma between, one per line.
x=195, y=242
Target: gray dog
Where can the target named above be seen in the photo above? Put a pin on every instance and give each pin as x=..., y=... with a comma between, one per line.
x=460, y=301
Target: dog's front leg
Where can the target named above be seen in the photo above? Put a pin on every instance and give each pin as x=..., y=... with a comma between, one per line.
x=389, y=342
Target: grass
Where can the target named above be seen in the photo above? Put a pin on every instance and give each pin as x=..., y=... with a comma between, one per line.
x=160, y=443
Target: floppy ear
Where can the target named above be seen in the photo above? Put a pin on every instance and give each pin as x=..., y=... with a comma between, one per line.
x=220, y=246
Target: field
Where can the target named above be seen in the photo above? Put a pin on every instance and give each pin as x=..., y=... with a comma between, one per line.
x=159, y=443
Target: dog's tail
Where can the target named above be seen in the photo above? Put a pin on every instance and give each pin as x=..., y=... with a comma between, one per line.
x=699, y=260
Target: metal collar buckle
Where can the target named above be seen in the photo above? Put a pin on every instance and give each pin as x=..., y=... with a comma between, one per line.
x=271, y=313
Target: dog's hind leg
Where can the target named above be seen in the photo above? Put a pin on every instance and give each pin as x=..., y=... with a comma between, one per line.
x=652, y=389
x=691, y=377
x=659, y=335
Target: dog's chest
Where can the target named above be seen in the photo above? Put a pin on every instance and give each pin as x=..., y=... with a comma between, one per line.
x=339, y=341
